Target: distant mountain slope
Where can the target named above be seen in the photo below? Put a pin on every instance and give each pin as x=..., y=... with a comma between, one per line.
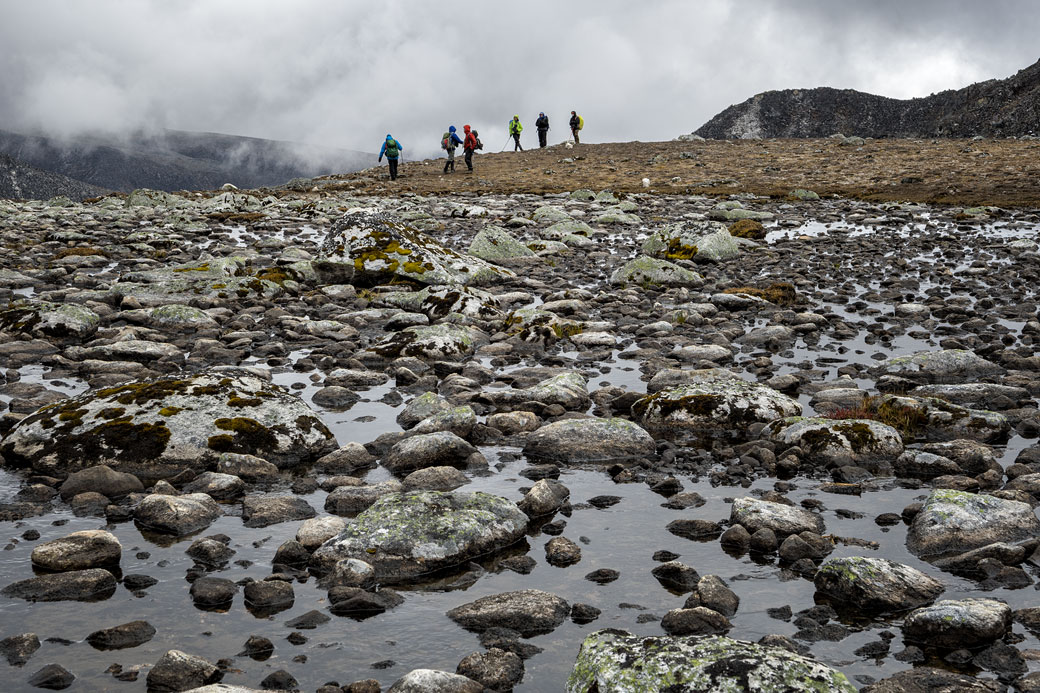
x=994, y=108
x=176, y=160
x=19, y=181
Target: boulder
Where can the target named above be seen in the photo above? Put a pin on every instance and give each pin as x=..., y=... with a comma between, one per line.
x=158, y=428
x=930, y=418
x=698, y=620
x=427, y=450
x=929, y=680
x=216, y=485
x=100, y=479
x=176, y=515
x=948, y=366
x=434, y=681
x=591, y=440
x=18, y=649
x=180, y=671
x=348, y=501
x=651, y=271
x=495, y=669
x=954, y=624
x=442, y=342
x=265, y=510
x=317, y=530
x=92, y=548
x=378, y=248
x=839, y=442
x=57, y=322
x=494, y=244
x=953, y=522
x=122, y=636
x=614, y=660
x=875, y=585
x=568, y=389
x=404, y=535
x=755, y=514
x=714, y=403
x=93, y=584
x=545, y=497
x=528, y=612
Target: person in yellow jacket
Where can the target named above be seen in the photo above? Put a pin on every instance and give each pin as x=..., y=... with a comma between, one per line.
x=515, y=128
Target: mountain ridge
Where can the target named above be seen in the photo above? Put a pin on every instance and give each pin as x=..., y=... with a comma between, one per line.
x=994, y=108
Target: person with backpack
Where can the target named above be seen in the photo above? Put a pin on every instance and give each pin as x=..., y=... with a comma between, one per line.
x=449, y=141
x=392, y=150
x=577, y=123
x=469, y=145
x=543, y=128
x=515, y=128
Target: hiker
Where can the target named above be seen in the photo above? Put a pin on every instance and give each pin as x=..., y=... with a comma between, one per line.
x=448, y=143
x=577, y=123
x=515, y=128
x=392, y=149
x=469, y=145
x=543, y=128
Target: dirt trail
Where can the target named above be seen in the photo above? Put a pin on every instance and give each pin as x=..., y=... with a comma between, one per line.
x=1005, y=173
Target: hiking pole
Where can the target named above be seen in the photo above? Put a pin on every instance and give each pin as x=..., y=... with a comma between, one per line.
x=505, y=145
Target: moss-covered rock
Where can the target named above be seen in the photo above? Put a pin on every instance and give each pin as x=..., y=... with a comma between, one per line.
x=157, y=428
x=550, y=214
x=714, y=402
x=613, y=660
x=645, y=270
x=406, y=535
x=953, y=624
x=875, y=585
x=839, y=442
x=494, y=244
x=444, y=342
x=380, y=249
x=61, y=322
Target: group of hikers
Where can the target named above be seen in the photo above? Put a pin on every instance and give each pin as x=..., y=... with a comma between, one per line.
x=470, y=142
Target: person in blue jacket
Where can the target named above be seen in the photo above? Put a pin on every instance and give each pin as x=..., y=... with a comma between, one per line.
x=450, y=143
x=392, y=150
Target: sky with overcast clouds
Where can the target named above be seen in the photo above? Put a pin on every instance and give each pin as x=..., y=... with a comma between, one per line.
x=345, y=72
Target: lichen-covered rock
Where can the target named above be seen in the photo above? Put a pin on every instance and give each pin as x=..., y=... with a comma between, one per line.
x=91, y=548
x=540, y=325
x=493, y=243
x=754, y=514
x=569, y=390
x=953, y=522
x=158, y=428
x=975, y=395
x=648, y=270
x=839, y=442
x=216, y=278
x=713, y=402
x=63, y=322
x=180, y=316
x=875, y=585
x=439, y=302
x=176, y=515
x=614, y=660
x=591, y=440
x=946, y=366
x=457, y=420
x=930, y=680
x=442, y=342
x=379, y=248
x=528, y=612
x=404, y=535
x=931, y=418
x=954, y=624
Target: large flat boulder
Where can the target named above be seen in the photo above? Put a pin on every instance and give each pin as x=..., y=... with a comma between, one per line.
x=158, y=428
x=404, y=535
x=875, y=585
x=592, y=440
x=614, y=660
x=955, y=522
x=839, y=442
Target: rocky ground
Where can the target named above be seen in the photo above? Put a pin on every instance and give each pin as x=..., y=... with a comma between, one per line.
x=323, y=439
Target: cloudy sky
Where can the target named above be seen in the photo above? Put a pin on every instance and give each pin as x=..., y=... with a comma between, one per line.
x=345, y=72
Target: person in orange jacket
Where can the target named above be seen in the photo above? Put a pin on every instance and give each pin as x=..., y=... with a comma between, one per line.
x=469, y=145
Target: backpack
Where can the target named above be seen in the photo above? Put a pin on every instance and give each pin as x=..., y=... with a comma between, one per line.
x=391, y=149
x=581, y=122
x=445, y=140
x=480, y=145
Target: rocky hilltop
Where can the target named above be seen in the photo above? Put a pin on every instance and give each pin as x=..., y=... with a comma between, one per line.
x=994, y=108
x=177, y=160
x=20, y=181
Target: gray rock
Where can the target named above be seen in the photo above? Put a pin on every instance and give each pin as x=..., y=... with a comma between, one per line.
x=216, y=485
x=176, y=515
x=930, y=680
x=52, y=677
x=755, y=514
x=967, y=623
x=494, y=244
x=545, y=497
x=591, y=440
x=100, y=479
x=715, y=403
x=317, y=530
x=839, y=442
x=875, y=585
x=528, y=612
x=93, y=548
x=434, y=681
x=122, y=636
x=265, y=510
x=348, y=459
x=180, y=671
x=947, y=367
x=562, y=552
x=269, y=596
x=569, y=390
x=975, y=395
x=213, y=592
x=937, y=419
x=923, y=465
x=712, y=592
x=613, y=660
x=434, y=479
x=698, y=620
x=18, y=649
x=422, y=407
x=496, y=669
x=348, y=501
x=953, y=522
x=157, y=428
x=93, y=584
x=406, y=535
x=457, y=420
x=677, y=576
x=442, y=342
x=647, y=270
x=249, y=467
x=427, y=450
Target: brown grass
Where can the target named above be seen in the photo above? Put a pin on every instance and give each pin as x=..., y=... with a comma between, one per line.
x=954, y=172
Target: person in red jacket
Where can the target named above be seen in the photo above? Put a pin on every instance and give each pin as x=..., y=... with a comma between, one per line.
x=469, y=145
